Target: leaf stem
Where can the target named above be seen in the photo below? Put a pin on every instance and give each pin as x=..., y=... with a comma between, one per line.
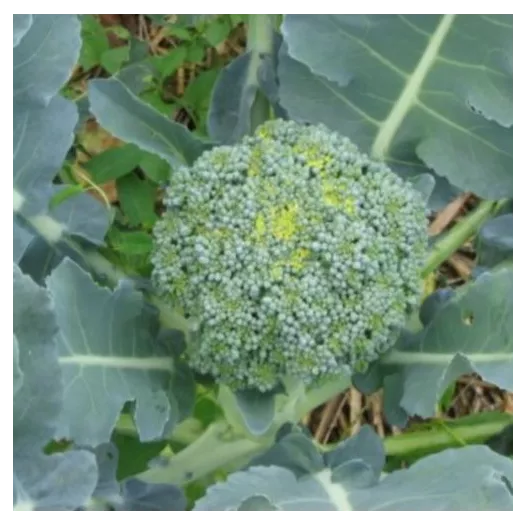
x=260, y=42
x=459, y=234
x=53, y=233
x=218, y=449
x=462, y=431
x=215, y=449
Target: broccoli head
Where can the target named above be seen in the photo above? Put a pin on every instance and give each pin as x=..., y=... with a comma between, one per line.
x=297, y=254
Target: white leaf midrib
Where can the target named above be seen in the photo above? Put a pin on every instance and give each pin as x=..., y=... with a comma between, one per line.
x=150, y=363
x=409, y=95
x=336, y=492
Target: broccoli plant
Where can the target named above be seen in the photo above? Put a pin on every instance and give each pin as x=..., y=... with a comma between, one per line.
x=168, y=343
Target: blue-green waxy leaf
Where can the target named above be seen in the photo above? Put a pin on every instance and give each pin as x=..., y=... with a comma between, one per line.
x=232, y=99
x=361, y=457
x=40, y=258
x=295, y=451
x=21, y=240
x=348, y=479
x=82, y=215
x=21, y=25
x=60, y=481
x=142, y=496
x=38, y=400
x=43, y=131
x=411, y=90
x=470, y=332
x=495, y=241
x=257, y=410
x=109, y=354
x=234, y=108
x=425, y=184
x=131, y=494
x=124, y=115
x=41, y=139
x=45, y=57
x=107, y=489
x=393, y=386
x=473, y=478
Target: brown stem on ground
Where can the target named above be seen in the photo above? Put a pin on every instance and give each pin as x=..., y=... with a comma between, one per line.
x=326, y=417
x=447, y=214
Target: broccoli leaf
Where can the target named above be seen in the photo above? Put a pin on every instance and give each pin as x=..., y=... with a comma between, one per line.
x=495, y=241
x=34, y=328
x=61, y=482
x=58, y=482
x=413, y=90
x=469, y=332
x=349, y=478
x=42, y=137
x=231, y=108
x=43, y=125
x=257, y=410
x=132, y=494
x=232, y=99
x=142, y=496
x=107, y=489
x=109, y=354
x=44, y=57
x=21, y=240
x=124, y=115
x=21, y=25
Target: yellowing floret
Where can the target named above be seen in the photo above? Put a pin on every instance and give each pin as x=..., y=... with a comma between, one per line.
x=297, y=254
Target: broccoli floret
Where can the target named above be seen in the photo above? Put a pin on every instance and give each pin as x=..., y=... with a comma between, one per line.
x=297, y=254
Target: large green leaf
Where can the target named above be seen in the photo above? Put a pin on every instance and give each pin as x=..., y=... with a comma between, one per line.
x=34, y=328
x=42, y=137
x=44, y=58
x=124, y=115
x=348, y=479
x=470, y=332
x=416, y=91
x=247, y=79
x=113, y=163
x=109, y=355
x=21, y=25
x=21, y=240
x=132, y=494
x=232, y=99
x=495, y=241
x=43, y=126
x=60, y=481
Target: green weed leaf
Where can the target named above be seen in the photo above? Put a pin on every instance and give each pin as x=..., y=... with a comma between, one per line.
x=137, y=200
x=113, y=163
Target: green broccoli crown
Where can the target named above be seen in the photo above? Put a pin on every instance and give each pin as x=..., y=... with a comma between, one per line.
x=297, y=254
